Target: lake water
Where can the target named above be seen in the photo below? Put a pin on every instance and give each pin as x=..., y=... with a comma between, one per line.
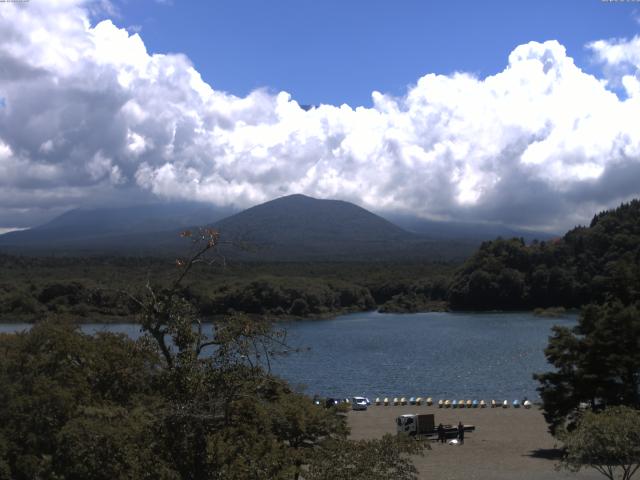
x=441, y=355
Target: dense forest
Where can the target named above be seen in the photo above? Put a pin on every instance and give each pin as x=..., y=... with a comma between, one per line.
x=596, y=362
x=91, y=289
x=589, y=264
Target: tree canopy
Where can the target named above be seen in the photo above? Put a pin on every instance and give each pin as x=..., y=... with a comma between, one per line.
x=597, y=364
x=608, y=442
x=589, y=264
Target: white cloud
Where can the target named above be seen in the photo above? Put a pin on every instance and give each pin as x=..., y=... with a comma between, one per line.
x=97, y=8
x=618, y=52
x=621, y=60
x=90, y=115
x=11, y=229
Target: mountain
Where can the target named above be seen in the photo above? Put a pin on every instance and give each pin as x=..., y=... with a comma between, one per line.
x=289, y=219
x=301, y=227
x=112, y=229
x=291, y=228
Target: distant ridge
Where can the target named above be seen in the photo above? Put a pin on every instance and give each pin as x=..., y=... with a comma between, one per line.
x=291, y=228
x=465, y=230
x=98, y=230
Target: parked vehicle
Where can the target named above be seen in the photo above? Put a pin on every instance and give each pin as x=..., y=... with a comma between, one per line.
x=331, y=402
x=412, y=424
x=359, y=403
x=415, y=425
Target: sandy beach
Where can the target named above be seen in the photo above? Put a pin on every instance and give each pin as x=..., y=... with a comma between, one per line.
x=507, y=443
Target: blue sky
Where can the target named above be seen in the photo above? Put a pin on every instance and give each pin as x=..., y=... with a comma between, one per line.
x=525, y=114
x=337, y=51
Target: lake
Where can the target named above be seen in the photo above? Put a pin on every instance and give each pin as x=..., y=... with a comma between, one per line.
x=441, y=355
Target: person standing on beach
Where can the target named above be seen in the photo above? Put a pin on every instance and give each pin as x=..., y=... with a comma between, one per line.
x=460, y=433
x=441, y=437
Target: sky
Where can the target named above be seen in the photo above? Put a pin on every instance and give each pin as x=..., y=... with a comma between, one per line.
x=520, y=113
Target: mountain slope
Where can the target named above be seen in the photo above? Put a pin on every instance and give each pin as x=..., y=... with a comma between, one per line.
x=297, y=227
x=291, y=228
x=112, y=228
x=301, y=222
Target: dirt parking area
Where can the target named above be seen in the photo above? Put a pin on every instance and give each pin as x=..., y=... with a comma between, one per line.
x=507, y=443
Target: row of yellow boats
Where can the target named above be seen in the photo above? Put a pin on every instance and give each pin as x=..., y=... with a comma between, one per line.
x=386, y=401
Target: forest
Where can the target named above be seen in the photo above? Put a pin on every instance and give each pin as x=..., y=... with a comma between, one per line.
x=96, y=289
x=591, y=395
x=589, y=264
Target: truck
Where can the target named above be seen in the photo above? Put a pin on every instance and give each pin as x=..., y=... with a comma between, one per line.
x=413, y=424
x=424, y=425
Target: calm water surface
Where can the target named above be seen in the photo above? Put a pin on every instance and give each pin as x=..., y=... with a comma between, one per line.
x=448, y=355
x=443, y=355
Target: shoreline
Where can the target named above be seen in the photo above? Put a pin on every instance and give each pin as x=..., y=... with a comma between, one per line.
x=511, y=443
x=119, y=320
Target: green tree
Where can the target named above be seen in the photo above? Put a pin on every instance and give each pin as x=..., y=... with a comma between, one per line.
x=227, y=416
x=608, y=442
x=596, y=363
x=105, y=443
x=5, y=469
x=379, y=459
x=303, y=426
x=50, y=378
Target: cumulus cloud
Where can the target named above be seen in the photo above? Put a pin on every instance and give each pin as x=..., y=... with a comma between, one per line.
x=89, y=115
x=621, y=59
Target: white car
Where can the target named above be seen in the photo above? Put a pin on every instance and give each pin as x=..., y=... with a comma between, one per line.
x=358, y=403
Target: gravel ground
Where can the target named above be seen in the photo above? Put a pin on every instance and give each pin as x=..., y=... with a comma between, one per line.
x=507, y=443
